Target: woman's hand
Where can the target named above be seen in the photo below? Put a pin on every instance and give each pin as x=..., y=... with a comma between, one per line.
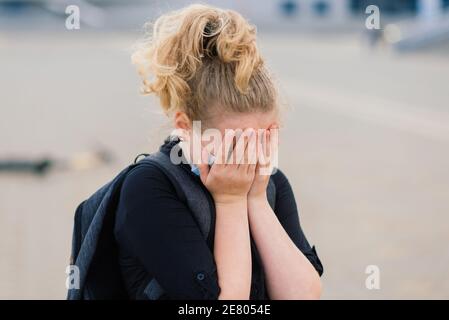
x=288, y=272
x=229, y=180
x=230, y=177
x=266, y=151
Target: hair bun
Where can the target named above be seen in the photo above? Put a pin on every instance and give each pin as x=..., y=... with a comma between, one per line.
x=182, y=41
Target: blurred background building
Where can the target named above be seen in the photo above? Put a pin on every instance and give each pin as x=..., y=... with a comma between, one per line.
x=365, y=140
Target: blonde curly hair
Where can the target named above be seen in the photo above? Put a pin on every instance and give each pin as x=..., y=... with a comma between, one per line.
x=202, y=60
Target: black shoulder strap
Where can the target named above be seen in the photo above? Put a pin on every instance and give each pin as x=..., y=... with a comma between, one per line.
x=193, y=193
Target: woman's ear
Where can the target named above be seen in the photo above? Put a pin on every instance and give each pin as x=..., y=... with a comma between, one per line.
x=182, y=121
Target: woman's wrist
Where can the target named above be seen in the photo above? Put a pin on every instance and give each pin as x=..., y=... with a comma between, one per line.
x=257, y=204
x=231, y=206
x=258, y=200
x=228, y=199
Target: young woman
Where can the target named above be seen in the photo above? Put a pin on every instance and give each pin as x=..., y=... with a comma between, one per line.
x=204, y=65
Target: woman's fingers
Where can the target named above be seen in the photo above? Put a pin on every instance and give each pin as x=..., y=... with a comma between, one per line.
x=241, y=150
x=268, y=146
x=271, y=149
x=225, y=148
x=262, y=149
x=268, y=154
x=274, y=147
x=252, y=153
x=265, y=147
x=249, y=148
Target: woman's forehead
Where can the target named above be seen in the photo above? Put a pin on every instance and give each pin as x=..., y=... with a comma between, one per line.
x=255, y=120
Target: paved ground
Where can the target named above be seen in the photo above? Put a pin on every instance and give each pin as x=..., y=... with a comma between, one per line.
x=365, y=144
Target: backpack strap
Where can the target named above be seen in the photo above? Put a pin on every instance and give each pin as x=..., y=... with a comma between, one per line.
x=193, y=193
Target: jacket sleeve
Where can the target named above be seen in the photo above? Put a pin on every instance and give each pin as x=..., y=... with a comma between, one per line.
x=287, y=212
x=161, y=233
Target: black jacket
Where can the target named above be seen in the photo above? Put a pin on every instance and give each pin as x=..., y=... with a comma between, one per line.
x=159, y=238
